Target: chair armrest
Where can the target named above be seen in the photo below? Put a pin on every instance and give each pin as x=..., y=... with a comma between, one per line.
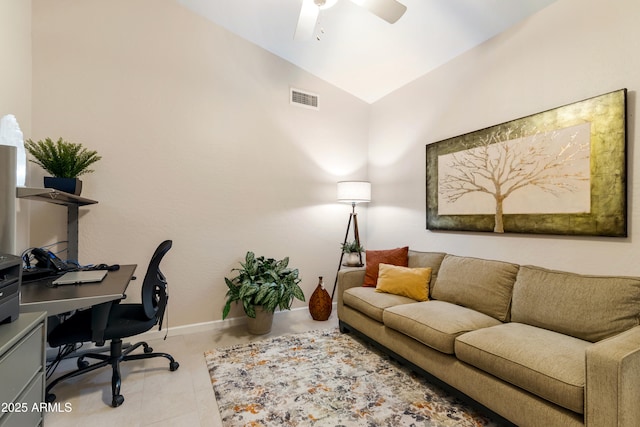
x=99, y=320
x=612, y=389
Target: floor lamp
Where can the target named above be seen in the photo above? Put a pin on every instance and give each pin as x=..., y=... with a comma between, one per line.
x=353, y=192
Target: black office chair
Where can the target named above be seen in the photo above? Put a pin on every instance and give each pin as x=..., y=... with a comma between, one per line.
x=114, y=321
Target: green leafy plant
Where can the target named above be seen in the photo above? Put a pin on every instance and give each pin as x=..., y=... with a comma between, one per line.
x=62, y=159
x=263, y=281
x=351, y=247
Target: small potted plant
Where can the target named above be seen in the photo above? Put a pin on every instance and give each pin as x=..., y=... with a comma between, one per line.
x=353, y=251
x=65, y=161
x=262, y=285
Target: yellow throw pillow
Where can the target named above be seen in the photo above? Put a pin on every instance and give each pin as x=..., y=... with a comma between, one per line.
x=405, y=281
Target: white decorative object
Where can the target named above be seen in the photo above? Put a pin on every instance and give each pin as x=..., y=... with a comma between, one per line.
x=11, y=135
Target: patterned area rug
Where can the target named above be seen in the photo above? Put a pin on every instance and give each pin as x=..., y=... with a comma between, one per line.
x=325, y=378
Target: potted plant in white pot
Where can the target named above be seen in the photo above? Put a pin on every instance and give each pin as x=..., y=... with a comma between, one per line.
x=65, y=161
x=353, y=251
x=262, y=285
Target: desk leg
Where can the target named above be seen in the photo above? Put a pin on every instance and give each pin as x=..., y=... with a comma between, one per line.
x=72, y=233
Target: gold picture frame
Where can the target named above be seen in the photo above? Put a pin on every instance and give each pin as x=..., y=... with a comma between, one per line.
x=561, y=171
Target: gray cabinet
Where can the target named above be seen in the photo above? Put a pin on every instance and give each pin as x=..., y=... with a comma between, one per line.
x=22, y=370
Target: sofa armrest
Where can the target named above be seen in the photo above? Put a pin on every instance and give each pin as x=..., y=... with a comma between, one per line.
x=349, y=278
x=612, y=390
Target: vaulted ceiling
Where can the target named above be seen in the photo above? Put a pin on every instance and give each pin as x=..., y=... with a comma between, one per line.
x=357, y=51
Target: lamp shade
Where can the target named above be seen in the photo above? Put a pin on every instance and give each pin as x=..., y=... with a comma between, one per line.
x=354, y=191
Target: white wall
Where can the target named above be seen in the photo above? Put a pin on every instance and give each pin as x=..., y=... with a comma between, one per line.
x=199, y=145
x=15, y=82
x=15, y=72
x=569, y=51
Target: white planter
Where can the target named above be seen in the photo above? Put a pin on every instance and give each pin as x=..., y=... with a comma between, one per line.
x=353, y=259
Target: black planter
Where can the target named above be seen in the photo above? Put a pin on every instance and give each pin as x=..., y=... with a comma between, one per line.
x=68, y=185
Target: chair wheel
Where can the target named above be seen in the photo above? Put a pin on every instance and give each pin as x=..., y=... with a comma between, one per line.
x=118, y=400
x=173, y=366
x=50, y=398
x=148, y=349
x=82, y=364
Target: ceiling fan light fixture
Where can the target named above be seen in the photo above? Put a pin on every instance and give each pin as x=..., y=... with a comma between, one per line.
x=325, y=4
x=388, y=10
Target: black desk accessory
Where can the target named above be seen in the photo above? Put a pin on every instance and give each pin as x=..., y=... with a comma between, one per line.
x=37, y=273
x=114, y=267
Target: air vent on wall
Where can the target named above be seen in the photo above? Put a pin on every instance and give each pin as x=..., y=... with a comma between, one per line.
x=303, y=99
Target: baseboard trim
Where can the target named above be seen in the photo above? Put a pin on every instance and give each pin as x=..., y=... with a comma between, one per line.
x=214, y=325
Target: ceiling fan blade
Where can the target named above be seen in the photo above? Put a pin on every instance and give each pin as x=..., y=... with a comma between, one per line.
x=307, y=20
x=389, y=10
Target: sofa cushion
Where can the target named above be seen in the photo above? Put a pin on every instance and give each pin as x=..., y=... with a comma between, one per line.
x=398, y=256
x=371, y=303
x=435, y=323
x=586, y=307
x=426, y=259
x=479, y=284
x=546, y=363
x=408, y=282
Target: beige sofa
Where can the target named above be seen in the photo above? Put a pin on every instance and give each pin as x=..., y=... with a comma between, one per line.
x=536, y=346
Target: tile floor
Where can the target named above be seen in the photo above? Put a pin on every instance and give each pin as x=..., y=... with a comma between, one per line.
x=154, y=396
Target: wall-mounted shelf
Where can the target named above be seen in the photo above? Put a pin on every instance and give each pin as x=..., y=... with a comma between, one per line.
x=51, y=195
x=71, y=201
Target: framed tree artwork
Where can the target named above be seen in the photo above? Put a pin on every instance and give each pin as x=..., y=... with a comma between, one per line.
x=561, y=171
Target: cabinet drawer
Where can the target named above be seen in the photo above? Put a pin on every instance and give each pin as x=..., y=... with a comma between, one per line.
x=20, y=364
x=29, y=414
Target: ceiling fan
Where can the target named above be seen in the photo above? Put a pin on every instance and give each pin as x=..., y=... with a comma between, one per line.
x=389, y=10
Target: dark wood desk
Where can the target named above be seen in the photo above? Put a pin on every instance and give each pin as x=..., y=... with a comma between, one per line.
x=37, y=296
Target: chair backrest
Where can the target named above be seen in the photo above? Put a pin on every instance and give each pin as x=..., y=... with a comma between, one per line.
x=154, y=287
